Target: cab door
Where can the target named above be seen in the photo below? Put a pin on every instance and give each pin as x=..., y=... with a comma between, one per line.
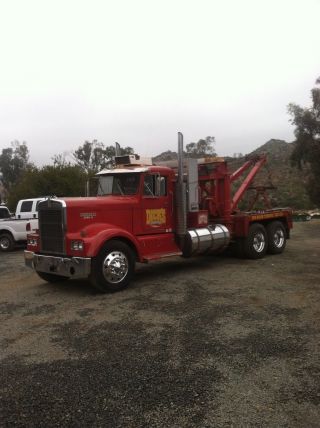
x=156, y=204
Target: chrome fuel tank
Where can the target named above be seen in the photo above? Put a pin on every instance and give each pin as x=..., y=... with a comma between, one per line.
x=206, y=239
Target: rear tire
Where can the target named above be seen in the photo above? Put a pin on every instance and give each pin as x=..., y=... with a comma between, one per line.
x=6, y=242
x=113, y=268
x=256, y=243
x=51, y=277
x=276, y=237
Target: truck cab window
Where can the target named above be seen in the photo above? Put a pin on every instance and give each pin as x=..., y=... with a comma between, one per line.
x=155, y=185
x=118, y=184
x=149, y=188
x=26, y=206
x=4, y=213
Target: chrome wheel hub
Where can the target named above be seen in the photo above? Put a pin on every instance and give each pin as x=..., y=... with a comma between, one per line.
x=259, y=242
x=278, y=238
x=115, y=267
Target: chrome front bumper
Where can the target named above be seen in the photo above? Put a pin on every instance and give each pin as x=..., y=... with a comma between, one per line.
x=74, y=267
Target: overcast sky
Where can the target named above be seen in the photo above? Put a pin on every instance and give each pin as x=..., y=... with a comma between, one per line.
x=139, y=71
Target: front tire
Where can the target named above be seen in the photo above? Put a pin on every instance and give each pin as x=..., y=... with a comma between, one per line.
x=113, y=268
x=51, y=277
x=6, y=242
x=276, y=237
x=256, y=243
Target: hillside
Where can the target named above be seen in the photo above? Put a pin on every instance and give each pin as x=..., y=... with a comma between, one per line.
x=289, y=181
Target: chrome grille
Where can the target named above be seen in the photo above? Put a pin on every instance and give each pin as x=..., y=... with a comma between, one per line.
x=52, y=226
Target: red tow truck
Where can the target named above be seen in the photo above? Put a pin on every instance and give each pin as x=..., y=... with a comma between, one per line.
x=143, y=212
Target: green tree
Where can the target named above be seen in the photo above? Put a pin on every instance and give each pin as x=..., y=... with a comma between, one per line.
x=14, y=162
x=203, y=148
x=90, y=156
x=94, y=156
x=60, y=160
x=307, y=144
x=63, y=180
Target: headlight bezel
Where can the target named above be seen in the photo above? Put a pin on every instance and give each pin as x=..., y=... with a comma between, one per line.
x=77, y=245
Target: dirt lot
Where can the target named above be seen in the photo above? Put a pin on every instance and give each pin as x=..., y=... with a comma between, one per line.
x=212, y=341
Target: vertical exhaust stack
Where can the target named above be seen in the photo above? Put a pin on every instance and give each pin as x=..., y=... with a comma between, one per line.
x=181, y=196
x=87, y=188
x=180, y=158
x=117, y=149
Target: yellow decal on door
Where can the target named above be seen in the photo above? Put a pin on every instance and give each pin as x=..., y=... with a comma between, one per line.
x=156, y=217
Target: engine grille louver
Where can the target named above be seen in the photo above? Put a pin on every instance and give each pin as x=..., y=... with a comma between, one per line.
x=52, y=226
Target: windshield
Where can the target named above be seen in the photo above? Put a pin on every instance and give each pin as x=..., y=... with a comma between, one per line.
x=4, y=213
x=118, y=184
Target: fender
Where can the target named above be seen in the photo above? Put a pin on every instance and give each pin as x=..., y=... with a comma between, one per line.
x=97, y=234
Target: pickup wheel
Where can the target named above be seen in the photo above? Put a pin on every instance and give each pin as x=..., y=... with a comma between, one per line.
x=276, y=237
x=113, y=268
x=256, y=243
x=51, y=277
x=6, y=242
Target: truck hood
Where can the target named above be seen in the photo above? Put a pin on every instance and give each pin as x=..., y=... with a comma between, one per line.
x=100, y=202
x=115, y=210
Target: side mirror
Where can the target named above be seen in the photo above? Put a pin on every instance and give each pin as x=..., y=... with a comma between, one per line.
x=158, y=185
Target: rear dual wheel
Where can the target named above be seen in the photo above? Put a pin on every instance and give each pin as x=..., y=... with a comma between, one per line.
x=261, y=240
x=256, y=243
x=276, y=237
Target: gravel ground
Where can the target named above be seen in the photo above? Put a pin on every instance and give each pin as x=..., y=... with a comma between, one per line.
x=205, y=342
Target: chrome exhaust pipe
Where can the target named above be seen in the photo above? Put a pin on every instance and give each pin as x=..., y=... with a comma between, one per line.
x=181, y=196
x=117, y=149
x=180, y=158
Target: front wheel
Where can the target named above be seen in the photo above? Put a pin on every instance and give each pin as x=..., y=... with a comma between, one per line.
x=256, y=243
x=6, y=242
x=276, y=237
x=113, y=268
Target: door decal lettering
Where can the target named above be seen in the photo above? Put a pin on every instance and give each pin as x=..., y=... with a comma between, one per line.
x=156, y=217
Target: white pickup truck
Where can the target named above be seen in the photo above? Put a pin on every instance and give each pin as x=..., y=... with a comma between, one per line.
x=14, y=232
x=28, y=208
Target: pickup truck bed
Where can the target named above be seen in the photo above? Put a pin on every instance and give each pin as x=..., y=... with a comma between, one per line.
x=14, y=231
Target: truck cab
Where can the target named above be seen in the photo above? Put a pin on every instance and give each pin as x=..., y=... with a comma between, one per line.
x=27, y=208
x=151, y=188
x=133, y=209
